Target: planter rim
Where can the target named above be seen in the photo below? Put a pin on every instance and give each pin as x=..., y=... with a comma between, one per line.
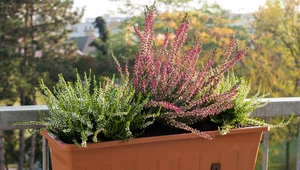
x=106, y=144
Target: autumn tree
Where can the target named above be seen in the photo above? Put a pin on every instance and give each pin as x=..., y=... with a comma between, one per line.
x=275, y=58
x=213, y=25
x=281, y=20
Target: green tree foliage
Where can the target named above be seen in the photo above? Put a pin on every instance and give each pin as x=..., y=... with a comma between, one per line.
x=101, y=42
x=9, y=61
x=103, y=63
x=8, y=76
x=33, y=34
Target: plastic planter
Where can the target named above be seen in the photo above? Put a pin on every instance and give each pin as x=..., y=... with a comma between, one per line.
x=234, y=151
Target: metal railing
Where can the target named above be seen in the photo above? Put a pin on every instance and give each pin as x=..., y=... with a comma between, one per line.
x=276, y=107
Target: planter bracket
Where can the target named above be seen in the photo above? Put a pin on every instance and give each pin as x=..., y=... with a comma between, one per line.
x=215, y=166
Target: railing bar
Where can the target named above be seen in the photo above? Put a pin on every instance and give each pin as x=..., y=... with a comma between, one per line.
x=48, y=156
x=2, y=167
x=298, y=149
x=266, y=148
x=44, y=153
x=45, y=150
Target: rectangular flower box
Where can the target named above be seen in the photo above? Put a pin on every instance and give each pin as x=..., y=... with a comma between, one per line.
x=234, y=151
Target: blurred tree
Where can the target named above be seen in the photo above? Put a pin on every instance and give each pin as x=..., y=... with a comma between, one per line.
x=281, y=20
x=10, y=146
x=35, y=32
x=265, y=65
x=38, y=153
x=8, y=65
x=101, y=42
x=276, y=54
x=103, y=63
x=85, y=63
x=212, y=25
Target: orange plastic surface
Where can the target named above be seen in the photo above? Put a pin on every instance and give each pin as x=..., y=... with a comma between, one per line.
x=234, y=151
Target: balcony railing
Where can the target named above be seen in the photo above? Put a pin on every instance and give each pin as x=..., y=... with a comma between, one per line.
x=276, y=107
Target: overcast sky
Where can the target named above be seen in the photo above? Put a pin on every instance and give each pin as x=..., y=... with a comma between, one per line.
x=99, y=7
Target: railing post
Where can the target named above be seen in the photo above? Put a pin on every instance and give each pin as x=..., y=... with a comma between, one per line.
x=298, y=150
x=45, y=154
x=2, y=164
x=266, y=148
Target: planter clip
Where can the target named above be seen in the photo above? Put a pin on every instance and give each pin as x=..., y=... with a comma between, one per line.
x=215, y=166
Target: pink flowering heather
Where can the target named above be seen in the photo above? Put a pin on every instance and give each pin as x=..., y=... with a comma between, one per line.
x=184, y=91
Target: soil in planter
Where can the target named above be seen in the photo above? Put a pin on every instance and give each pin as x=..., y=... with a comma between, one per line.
x=159, y=128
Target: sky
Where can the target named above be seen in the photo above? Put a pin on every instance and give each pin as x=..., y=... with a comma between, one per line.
x=94, y=8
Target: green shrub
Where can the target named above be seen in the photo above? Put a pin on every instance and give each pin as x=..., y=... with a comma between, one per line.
x=88, y=111
x=239, y=115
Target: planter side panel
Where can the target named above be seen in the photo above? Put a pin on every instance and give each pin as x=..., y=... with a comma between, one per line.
x=232, y=152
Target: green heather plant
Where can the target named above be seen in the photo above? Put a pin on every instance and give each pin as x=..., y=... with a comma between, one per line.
x=239, y=115
x=88, y=111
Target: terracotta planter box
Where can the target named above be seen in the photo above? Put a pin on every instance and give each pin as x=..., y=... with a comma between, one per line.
x=235, y=151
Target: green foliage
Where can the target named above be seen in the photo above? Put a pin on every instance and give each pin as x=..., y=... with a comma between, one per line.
x=239, y=115
x=34, y=35
x=8, y=91
x=101, y=42
x=10, y=146
x=89, y=111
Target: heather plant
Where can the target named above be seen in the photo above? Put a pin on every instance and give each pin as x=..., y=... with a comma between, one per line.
x=177, y=84
x=239, y=115
x=88, y=111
